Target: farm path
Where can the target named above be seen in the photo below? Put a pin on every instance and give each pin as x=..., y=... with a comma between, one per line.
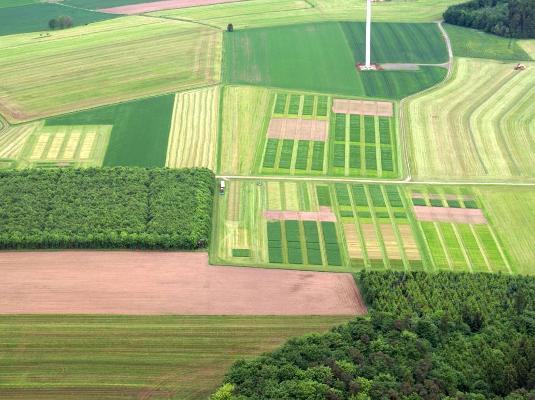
x=448, y=45
x=176, y=283
x=407, y=180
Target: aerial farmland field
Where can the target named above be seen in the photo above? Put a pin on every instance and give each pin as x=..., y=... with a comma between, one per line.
x=187, y=184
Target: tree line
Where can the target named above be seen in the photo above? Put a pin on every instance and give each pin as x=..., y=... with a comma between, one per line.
x=62, y=22
x=428, y=336
x=106, y=208
x=509, y=18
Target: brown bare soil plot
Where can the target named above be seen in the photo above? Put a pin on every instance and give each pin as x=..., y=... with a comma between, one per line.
x=353, y=242
x=454, y=215
x=160, y=5
x=145, y=283
x=323, y=215
x=297, y=128
x=362, y=107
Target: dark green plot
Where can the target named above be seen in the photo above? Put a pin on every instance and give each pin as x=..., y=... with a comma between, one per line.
x=470, y=204
x=280, y=103
x=322, y=107
x=359, y=195
x=317, y=156
x=454, y=203
x=369, y=129
x=270, y=155
x=371, y=158
x=387, y=163
x=436, y=203
x=295, y=101
x=308, y=105
x=324, y=196
x=339, y=156
x=354, y=128
x=241, y=253
x=393, y=196
x=332, y=249
x=285, y=160
x=340, y=127
x=419, y=202
x=342, y=194
x=384, y=130
x=376, y=195
x=354, y=156
x=302, y=154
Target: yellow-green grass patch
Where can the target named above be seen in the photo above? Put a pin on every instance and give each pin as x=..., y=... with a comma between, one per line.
x=478, y=125
x=12, y=140
x=193, y=137
x=528, y=46
x=122, y=59
x=246, y=112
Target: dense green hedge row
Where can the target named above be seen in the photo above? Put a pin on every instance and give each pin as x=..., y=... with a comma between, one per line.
x=106, y=208
x=510, y=18
x=428, y=337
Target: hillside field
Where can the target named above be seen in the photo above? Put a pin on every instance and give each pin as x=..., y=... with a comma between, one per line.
x=148, y=57
x=109, y=357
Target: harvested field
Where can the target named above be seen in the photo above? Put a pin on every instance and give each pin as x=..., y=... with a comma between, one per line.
x=297, y=128
x=193, y=136
x=145, y=283
x=160, y=5
x=148, y=57
x=353, y=242
x=363, y=107
x=478, y=125
x=453, y=215
x=325, y=214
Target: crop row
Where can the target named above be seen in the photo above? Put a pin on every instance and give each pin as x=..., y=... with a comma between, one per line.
x=298, y=156
x=299, y=105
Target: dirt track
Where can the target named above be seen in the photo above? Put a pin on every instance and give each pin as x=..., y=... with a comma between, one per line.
x=91, y=282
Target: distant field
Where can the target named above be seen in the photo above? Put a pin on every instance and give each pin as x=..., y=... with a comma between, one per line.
x=348, y=227
x=514, y=211
x=194, y=127
x=468, y=42
x=324, y=61
x=257, y=13
x=96, y=4
x=111, y=357
x=477, y=125
x=139, y=137
x=33, y=16
x=122, y=59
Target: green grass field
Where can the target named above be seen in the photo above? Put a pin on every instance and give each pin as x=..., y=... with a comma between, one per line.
x=140, y=133
x=123, y=59
x=33, y=16
x=257, y=13
x=112, y=357
x=283, y=57
x=475, y=126
x=472, y=43
x=375, y=227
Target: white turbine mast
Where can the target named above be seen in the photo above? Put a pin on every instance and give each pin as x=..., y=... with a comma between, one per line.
x=368, y=64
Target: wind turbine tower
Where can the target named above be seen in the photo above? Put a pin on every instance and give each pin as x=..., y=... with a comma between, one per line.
x=368, y=65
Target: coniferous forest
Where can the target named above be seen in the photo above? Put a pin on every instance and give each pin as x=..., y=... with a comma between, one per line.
x=445, y=336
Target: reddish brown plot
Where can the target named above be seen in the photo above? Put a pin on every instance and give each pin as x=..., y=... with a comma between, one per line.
x=160, y=5
x=455, y=215
x=298, y=129
x=324, y=214
x=144, y=283
x=362, y=107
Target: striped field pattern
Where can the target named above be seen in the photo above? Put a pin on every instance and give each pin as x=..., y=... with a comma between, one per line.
x=480, y=124
x=193, y=136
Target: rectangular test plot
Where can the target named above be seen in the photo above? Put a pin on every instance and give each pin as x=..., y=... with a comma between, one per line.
x=293, y=242
x=312, y=240
x=302, y=155
x=274, y=242
x=280, y=103
x=286, y=154
x=330, y=238
x=317, y=156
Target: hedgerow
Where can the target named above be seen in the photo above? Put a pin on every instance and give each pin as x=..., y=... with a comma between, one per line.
x=106, y=208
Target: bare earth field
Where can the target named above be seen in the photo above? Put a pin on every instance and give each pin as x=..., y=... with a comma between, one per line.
x=146, y=283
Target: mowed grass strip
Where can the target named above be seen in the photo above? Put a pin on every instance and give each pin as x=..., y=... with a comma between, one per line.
x=122, y=59
x=193, y=137
x=255, y=13
x=110, y=357
x=477, y=125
